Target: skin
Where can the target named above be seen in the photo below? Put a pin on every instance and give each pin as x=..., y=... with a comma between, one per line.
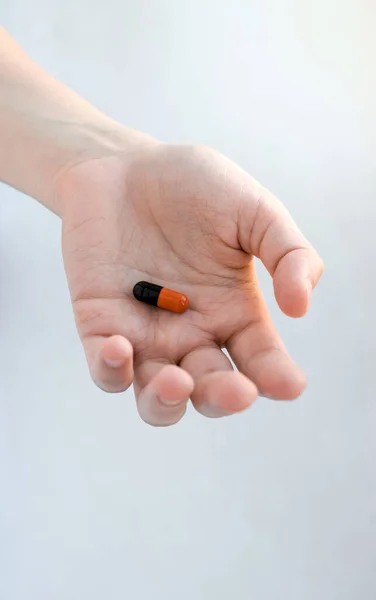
x=184, y=217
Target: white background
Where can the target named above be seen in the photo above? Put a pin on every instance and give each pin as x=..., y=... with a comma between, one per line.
x=278, y=503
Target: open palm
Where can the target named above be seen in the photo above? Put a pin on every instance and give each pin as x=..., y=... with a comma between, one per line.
x=188, y=219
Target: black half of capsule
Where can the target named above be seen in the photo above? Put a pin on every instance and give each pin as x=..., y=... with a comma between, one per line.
x=147, y=292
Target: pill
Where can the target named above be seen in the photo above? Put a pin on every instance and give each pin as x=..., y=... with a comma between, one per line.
x=156, y=295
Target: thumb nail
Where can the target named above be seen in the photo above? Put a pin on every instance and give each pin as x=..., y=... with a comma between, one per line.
x=309, y=289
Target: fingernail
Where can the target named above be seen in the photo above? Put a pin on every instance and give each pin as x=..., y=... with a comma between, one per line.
x=170, y=403
x=269, y=396
x=309, y=289
x=114, y=364
x=214, y=412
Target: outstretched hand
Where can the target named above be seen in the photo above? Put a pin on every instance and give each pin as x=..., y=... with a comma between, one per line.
x=188, y=219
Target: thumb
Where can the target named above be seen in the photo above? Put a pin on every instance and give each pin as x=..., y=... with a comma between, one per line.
x=268, y=231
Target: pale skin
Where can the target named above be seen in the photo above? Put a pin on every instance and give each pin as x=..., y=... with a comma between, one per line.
x=187, y=218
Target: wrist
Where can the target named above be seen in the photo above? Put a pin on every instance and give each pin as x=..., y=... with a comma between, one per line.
x=46, y=128
x=43, y=149
x=83, y=142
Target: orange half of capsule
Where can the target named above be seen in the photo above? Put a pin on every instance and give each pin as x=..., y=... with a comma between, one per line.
x=171, y=300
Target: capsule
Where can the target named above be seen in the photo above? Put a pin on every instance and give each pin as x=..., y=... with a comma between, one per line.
x=153, y=294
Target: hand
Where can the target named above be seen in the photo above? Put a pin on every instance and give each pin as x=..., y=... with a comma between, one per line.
x=188, y=219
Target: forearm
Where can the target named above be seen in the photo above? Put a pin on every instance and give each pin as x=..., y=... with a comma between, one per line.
x=44, y=126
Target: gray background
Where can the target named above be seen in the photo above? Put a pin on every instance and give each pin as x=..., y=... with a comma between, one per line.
x=277, y=503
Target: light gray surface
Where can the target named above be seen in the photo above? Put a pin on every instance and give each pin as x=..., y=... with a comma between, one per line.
x=278, y=503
